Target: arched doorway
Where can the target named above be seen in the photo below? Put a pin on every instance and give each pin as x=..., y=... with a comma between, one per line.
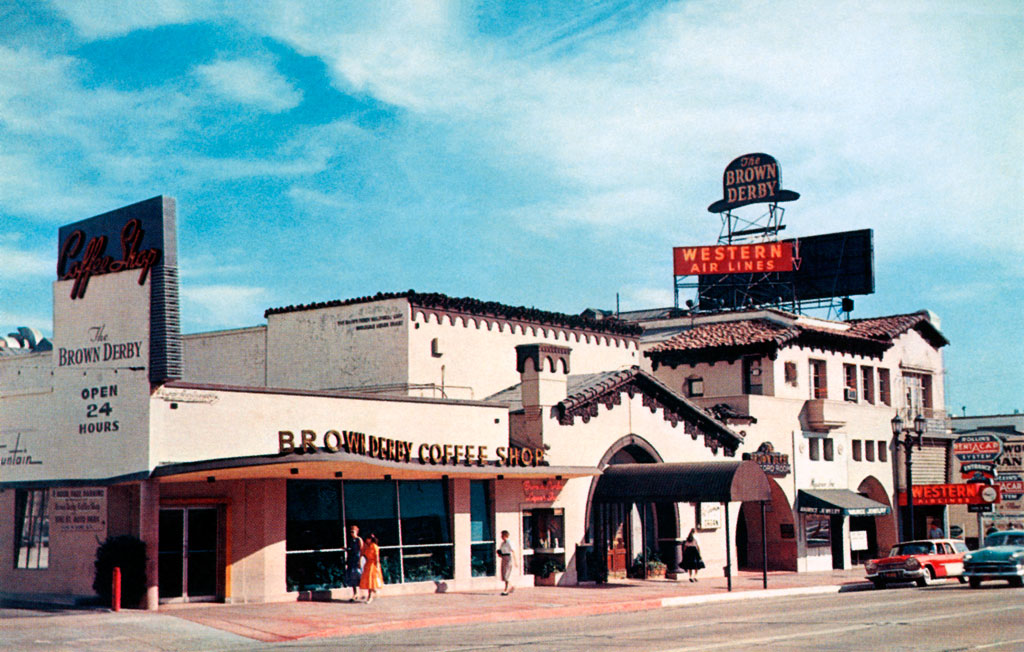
x=881, y=530
x=780, y=532
x=619, y=531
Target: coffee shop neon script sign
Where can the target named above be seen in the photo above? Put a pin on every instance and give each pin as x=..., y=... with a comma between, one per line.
x=94, y=260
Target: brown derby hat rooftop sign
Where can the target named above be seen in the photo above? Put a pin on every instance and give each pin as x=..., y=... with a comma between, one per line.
x=752, y=179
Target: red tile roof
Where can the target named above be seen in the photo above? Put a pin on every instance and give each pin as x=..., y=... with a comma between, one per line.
x=870, y=336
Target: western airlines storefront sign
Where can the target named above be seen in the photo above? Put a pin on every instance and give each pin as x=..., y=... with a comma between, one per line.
x=970, y=493
x=397, y=450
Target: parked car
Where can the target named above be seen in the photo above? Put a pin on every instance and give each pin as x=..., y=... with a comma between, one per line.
x=1002, y=558
x=918, y=561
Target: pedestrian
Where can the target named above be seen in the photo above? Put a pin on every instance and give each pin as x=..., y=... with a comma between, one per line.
x=506, y=552
x=372, y=578
x=353, y=561
x=692, y=561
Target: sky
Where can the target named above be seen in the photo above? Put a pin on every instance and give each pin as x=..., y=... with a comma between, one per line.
x=547, y=155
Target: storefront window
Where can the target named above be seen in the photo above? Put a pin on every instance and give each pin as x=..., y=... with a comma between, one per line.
x=817, y=530
x=482, y=529
x=543, y=538
x=31, y=529
x=410, y=518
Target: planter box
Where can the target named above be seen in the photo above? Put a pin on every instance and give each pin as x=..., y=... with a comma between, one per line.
x=551, y=580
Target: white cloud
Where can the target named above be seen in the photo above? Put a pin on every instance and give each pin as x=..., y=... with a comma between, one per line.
x=108, y=18
x=250, y=82
x=20, y=264
x=222, y=305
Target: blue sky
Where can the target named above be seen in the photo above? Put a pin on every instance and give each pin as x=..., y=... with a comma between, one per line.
x=547, y=155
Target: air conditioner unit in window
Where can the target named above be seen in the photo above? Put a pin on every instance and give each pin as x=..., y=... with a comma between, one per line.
x=850, y=394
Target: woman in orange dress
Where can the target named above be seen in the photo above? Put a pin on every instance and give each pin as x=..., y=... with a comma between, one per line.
x=372, y=578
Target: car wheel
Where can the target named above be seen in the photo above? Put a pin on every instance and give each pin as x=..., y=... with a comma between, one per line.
x=927, y=578
x=974, y=582
x=1017, y=581
x=879, y=584
x=963, y=580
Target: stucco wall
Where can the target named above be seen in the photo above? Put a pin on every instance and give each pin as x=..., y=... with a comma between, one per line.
x=234, y=357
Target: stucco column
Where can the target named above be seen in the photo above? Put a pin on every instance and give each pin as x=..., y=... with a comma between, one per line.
x=149, y=532
x=462, y=531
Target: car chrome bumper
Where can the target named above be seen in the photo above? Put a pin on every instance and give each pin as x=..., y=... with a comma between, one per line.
x=901, y=575
x=993, y=570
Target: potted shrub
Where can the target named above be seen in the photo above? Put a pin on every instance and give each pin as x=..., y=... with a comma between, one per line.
x=547, y=571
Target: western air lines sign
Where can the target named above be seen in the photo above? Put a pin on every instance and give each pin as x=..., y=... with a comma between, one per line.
x=733, y=259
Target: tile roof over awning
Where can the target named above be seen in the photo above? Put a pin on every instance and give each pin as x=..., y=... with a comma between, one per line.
x=708, y=482
x=839, y=502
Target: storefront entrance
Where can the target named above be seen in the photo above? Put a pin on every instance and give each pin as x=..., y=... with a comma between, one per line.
x=188, y=553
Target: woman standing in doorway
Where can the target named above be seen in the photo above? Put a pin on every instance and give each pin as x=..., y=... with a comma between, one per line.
x=373, y=578
x=692, y=561
x=354, y=561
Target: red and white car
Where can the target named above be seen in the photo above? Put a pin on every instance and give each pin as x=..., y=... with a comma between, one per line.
x=919, y=561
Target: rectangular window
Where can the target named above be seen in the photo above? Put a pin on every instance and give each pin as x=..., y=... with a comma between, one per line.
x=884, y=388
x=481, y=525
x=856, y=450
x=883, y=451
x=869, y=450
x=814, y=448
x=819, y=382
x=695, y=386
x=31, y=529
x=828, y=447
x=753, y=381
x=850, y=383
x=919, y=392
x=817, y=530
x=543, y=538
x=867, y=384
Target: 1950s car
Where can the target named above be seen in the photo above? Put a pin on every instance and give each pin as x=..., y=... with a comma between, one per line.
x=1002, y=558
x=918, y=561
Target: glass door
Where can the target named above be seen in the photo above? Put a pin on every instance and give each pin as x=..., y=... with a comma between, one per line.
x=188, y=553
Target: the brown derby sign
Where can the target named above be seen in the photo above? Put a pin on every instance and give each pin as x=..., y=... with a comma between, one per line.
x=751, y=179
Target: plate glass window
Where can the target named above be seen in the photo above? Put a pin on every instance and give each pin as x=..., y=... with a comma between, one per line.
x=31, y=529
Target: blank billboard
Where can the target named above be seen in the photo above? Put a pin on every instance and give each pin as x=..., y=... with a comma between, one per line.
x=824, y=266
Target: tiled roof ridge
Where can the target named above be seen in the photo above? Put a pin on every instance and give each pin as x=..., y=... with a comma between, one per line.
x=782, y=334
x=607, y=390
x=477, y=307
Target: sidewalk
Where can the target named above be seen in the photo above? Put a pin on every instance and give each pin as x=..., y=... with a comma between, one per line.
x=287, y=621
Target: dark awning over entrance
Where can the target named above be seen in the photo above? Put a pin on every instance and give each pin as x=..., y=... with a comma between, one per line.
x=694, y=482
x=839, y=502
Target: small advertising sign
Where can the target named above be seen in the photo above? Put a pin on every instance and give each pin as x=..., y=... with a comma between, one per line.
x=772, y=463
x=78, y=509
x=953, y=494
x=542, y=491
x=858, y=540
x=977, y=454
x=709, y=516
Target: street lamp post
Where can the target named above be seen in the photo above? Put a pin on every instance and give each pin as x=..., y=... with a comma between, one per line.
x=912, y=437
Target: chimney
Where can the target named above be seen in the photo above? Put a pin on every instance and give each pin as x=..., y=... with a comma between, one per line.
x=543, y=371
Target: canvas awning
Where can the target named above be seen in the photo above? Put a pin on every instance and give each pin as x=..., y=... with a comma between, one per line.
x=694, y=482
x=839, y=502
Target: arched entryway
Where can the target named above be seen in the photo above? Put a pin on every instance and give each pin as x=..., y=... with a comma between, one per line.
x=780, y=532
x=618, y=530
x=881, y=530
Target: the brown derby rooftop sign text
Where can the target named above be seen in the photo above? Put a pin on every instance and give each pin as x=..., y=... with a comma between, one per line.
x=397, y=450
x=751, y=179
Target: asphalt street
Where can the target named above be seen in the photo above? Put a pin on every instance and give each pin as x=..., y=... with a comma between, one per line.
x=944, y=617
